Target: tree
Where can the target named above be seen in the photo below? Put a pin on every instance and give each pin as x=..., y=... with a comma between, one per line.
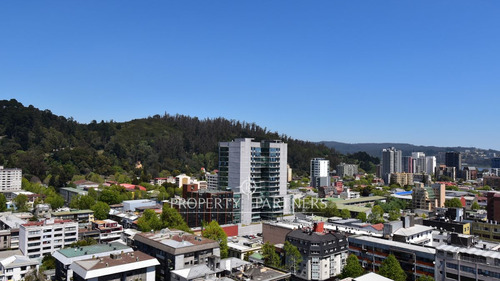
x=425, y=278
x=394, y=215
x=215, y=232
x=3, y=203
x=352, y=268
x=292, y=257
x=361, y=216
x=48, y=262
x=377, y=215
x=172, y=219
x=475, y=206
x=271, y=258
x=20, y=202
x=149, y=221
x=85, y=242
x=345, y=214
x=55, y=201
x=453, y=203
x=391, y=269
x=101, y=210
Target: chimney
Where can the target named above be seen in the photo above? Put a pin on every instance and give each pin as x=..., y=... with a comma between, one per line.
x=319, y=227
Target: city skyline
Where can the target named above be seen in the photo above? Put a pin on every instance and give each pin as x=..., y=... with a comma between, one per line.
x=331, y=71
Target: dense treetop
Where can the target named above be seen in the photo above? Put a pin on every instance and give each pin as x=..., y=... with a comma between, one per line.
x=55, y=148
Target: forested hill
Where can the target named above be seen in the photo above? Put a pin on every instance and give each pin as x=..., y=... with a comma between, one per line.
x=57, y=148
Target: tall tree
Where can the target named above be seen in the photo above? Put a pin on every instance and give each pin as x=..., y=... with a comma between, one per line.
x=453, y=203
x=172, y=219
x=101, y=210
x=213, y=231
x=377, y=214
x=271, y=258
x=292, y=257
x=391, y=269
x=20, y=202
x=352, y=268
x=3, y=203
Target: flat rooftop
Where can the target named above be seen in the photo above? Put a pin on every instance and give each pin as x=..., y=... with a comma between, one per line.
x=92, y=249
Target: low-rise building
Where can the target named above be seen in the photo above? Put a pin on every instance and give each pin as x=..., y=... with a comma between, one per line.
x=242, y=248
x=402, y=179
x=40, y=238
x=81, y=216
x=414, y=260
x=123, y=266
x=461, y=227
x=417, y=234
x=16, y=267
x=109, y=230
x=175, y=250
x=465, y=259
x=66, y=257
x=323, y=254
x=69, y=192
x=131, y=205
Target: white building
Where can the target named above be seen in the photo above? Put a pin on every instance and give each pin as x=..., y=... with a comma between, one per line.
x=257, y=173
x=419, y=162
x=124, y=266
x=212, y=181
x=430, y=164
x=65, y=257
x=10, y=179
x=392, y=162
x=131, y=205
x=109, y=230
x=320, y=172
x=40, y=238
x=16, y=267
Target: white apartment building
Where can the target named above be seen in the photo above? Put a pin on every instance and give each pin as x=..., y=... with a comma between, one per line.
x=39, y=238
x=430, y=164
x=212, y=181
x=10, y=179
x=16, y=267
x=109, y=230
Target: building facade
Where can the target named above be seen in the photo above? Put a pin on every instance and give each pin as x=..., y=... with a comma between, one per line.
x=37, y=239
x=257, y=174
x=453, y=159
x=392, y=162
x=323, y=254
x=320, y=172
x=10, y=179
x=109, y=230
x=347, y=170
x=493, y=206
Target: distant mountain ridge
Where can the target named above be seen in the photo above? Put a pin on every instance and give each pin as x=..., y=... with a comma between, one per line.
x=375, y=149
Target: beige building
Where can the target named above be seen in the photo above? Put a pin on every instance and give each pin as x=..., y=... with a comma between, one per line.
x=402, y=178
x=428, y=198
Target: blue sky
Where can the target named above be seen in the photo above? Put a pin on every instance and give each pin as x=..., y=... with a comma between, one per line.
x=422, y=72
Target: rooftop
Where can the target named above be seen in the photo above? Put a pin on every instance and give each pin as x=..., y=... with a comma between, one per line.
x=17, y=261
x=92, y=249
x=394, y=244
x=72, y=212
x=315, y=236
x=416, y=229
x=47, y=222
x=372, y=277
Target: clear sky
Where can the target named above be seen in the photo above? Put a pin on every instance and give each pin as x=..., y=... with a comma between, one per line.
x=423, y=72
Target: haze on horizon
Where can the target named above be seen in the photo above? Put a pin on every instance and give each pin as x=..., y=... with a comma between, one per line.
x=420, y=72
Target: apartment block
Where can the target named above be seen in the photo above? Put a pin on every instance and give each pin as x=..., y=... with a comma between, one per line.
x=323, y=254
x=40, y=238
x=10, y=179
x=16, y=267
x=175, y=250
x=347, y=170
x=66, y=257
x=120, y=266
x=320, y=172
x=109, y=230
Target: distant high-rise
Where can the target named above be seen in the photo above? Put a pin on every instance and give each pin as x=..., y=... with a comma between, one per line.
x=320, y=172
x=391, y=162
x=407, y=164
x=453, y=159
x=430, y=164
x=257, y=174
x=419, y=166
x=495, y=162
x=10, y=179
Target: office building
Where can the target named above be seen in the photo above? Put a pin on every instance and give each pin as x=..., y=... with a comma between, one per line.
x=445, y=173
x=40, y=238
x=347, y=170
x=495, y=162
x=65, y=257
x=407, y=164
x=453, y=159
x=10, y=179
x=257, y=174
x=467, y=260
x=175, y=250
x=204, y=205
x=414, y=260
x=493, y=206
x=120, y=266
x=392, y=162
x=320, y=172
x=323, y=254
